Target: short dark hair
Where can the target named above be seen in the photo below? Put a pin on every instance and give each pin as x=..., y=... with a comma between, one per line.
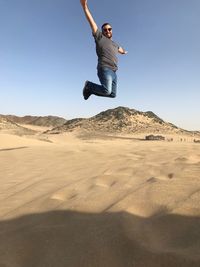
x=104, y=25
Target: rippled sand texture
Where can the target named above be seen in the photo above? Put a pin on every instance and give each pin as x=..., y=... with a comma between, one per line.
x=99, y=203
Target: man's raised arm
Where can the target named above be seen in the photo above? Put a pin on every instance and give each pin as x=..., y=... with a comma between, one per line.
x=89, y=17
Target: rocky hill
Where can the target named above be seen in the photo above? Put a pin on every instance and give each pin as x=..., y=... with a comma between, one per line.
x=45, y=121
x=121, y=120
x=49, y=121
x=8, y=126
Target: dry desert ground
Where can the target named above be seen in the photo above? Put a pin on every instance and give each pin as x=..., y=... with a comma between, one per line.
x=74, y=202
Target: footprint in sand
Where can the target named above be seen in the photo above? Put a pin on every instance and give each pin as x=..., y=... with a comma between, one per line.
x=181, y=159
x=105, y=180
x=63, y=195
x=166, y=176
x=161, y=177
x=152, y=180
x=170, y=175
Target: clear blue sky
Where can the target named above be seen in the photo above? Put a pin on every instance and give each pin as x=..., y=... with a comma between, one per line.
x=47, y=52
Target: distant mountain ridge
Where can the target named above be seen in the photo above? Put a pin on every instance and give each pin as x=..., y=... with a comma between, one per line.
x=46, y=121
x=121, y=120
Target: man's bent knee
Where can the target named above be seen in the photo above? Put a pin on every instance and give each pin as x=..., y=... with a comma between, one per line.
x=107, y=91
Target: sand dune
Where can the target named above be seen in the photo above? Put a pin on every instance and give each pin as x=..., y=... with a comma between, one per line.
x=95, y=202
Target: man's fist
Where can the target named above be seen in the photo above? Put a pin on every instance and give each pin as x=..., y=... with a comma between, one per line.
x=83, y=2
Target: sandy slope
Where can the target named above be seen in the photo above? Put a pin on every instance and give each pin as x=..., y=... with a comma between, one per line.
x=104, y=203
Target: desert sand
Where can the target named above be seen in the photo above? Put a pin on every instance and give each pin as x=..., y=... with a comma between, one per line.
x=99, y=203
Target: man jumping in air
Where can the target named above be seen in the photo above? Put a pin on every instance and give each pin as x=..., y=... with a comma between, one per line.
x=106, y=50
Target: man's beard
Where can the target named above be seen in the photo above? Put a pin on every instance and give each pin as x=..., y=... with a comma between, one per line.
x=108, y=36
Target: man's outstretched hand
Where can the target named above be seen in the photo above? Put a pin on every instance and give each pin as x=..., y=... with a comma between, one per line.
x=122, y=51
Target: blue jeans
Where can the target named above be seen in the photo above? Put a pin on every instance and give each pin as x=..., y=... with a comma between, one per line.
x=108, y=80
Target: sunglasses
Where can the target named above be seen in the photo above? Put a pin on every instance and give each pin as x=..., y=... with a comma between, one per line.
x=107, y=29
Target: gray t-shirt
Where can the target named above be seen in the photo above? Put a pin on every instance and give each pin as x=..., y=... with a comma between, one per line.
x=106, y=51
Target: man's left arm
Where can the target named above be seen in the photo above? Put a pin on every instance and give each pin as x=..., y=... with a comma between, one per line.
x=122, y=51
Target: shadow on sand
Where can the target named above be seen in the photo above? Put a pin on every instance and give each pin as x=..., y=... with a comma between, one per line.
x=75, y=239
x=13, y=148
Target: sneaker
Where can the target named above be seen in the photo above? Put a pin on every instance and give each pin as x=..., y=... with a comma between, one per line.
x=86, y=91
